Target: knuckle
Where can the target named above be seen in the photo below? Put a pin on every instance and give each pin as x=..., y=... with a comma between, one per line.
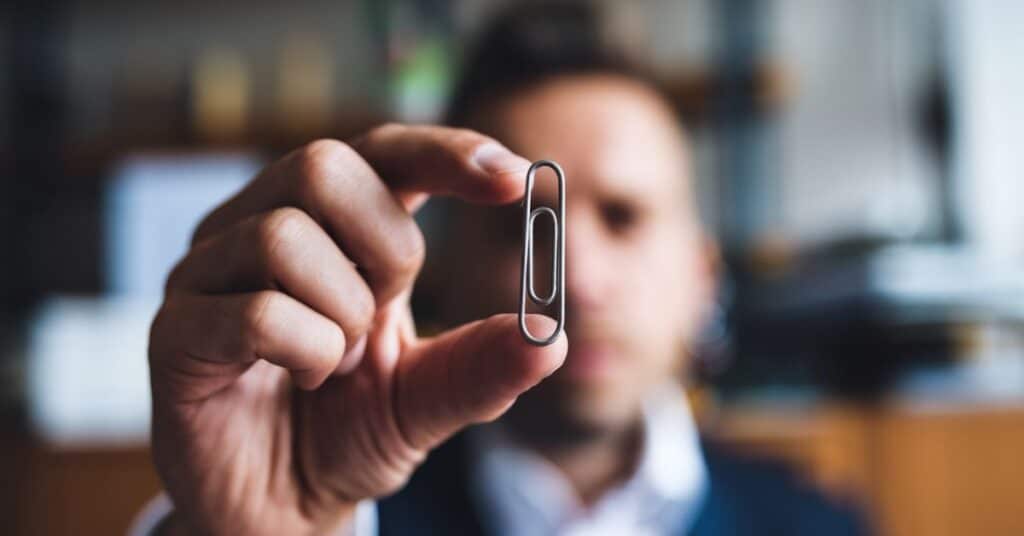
x=281, y=226
x=385, y=130
x=325, y=150
x=320, y=163
x=407, y=251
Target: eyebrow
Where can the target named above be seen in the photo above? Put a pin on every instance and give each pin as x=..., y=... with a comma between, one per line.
x=622, y=188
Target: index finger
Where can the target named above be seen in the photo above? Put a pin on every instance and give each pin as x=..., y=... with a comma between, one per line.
x=416, y=161
x=412, y=162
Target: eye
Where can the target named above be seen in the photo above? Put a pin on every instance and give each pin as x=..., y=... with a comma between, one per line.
x=620, y=217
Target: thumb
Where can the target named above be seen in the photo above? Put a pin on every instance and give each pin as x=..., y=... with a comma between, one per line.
x=470, y=374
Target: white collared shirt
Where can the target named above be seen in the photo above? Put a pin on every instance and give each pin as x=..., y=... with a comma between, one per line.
x=520, y=493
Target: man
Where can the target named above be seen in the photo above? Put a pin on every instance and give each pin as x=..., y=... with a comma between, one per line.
x=292, y=395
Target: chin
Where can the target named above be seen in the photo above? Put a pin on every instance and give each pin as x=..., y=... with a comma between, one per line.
x=576, y=410
x=601, y=408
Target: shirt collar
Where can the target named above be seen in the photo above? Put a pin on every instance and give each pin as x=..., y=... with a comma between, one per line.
x=522, y=493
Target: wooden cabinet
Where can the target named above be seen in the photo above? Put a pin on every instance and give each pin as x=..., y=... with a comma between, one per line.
x=934, y=470
x=58, y=491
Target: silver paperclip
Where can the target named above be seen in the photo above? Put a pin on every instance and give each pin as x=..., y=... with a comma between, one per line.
x=526, y=287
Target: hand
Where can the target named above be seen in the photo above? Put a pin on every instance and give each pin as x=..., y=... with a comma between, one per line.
x=288, y=381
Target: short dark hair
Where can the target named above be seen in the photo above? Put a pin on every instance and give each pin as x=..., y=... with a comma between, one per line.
x=532, y=43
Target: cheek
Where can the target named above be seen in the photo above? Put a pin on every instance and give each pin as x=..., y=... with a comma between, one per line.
x=665, y=294
x=660, y=268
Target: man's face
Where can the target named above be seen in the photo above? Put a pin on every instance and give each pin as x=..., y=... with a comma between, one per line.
x=638, y=280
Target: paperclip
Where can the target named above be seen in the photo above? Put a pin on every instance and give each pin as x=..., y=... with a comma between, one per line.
x=526, y=287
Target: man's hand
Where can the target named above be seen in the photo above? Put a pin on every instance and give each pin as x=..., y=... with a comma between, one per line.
x=288, y=381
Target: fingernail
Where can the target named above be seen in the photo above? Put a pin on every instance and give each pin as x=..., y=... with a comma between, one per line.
x=495, y=158
x=353, y=355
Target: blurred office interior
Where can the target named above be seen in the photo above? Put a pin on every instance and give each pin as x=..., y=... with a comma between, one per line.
x=859, y=163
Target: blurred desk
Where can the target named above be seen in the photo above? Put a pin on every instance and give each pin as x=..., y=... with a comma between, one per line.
x=940, y=470
x=947, y=471
x=58, y=491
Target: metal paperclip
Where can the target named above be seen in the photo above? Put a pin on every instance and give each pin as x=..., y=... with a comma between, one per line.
x=526, y=287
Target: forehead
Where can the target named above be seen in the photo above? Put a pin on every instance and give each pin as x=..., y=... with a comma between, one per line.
x=609, y=134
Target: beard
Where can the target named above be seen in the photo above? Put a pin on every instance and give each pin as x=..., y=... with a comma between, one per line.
x=558, y=414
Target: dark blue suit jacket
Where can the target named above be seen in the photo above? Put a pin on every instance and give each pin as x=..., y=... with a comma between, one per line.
x=745, y=498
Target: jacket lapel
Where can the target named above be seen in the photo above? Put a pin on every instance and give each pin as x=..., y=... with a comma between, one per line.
x=436, y=500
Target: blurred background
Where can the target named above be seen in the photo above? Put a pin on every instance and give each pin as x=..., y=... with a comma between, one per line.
x=859, y=162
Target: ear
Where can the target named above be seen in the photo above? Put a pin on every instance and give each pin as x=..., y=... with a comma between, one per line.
x=709, y=268
x=706, y=269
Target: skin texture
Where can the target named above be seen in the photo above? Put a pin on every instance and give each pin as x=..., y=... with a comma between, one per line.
x=288, y=381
